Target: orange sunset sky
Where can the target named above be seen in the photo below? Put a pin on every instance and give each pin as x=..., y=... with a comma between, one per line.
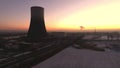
x=62, y=15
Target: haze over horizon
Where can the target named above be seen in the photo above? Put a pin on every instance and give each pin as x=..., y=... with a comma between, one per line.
x=62, y=15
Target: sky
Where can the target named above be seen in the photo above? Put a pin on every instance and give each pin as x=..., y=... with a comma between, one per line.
x=62, y=15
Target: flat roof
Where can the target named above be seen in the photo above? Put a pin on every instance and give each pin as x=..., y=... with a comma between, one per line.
x=82, y=58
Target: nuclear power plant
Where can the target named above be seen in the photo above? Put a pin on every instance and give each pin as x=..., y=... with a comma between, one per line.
x=37, y=28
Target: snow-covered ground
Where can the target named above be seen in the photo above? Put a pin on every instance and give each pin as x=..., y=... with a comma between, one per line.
x=110, y=43
x=102, y=37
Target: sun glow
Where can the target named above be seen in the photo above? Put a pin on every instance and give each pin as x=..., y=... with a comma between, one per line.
x=63, y=15
x=105, y=16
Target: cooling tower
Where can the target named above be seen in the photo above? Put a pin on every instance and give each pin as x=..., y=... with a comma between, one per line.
x=37, y=28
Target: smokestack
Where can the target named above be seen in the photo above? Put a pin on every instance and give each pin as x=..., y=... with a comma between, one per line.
x=37, y=28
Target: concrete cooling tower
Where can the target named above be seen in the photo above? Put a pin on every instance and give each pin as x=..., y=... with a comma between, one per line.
x=37, y=28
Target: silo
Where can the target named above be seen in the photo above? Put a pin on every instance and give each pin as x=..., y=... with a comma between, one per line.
x=37, y=28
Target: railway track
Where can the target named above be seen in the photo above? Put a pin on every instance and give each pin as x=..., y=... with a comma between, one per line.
x=32, y=57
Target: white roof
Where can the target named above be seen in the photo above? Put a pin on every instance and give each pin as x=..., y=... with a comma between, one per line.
x=82, y=58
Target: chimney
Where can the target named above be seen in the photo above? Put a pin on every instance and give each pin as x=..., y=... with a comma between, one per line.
x=37, y=28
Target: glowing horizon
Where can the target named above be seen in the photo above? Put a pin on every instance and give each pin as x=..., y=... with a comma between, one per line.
x=65, y=15
x=99, y=17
